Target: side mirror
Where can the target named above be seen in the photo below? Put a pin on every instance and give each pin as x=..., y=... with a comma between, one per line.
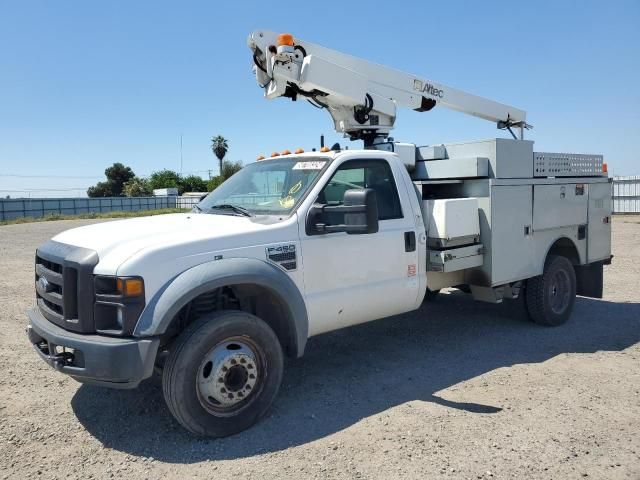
x=360, y=210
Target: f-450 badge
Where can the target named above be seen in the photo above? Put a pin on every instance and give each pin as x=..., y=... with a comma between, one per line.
x=283, y=255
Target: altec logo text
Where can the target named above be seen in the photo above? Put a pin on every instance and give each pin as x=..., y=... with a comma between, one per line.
x=428, y=88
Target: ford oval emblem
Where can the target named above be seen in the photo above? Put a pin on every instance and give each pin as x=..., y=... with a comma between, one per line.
x=44, y=284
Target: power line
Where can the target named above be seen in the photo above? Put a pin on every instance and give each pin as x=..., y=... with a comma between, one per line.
x=45, y=190
x=48, y=176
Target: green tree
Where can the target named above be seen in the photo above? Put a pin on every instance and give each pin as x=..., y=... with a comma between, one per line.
x=117, y=174
x=219, y=147
x=228, y=169
x=214, y=183
x=192, y=183
x=164, y=179
x=137, y=187
x=100, y=189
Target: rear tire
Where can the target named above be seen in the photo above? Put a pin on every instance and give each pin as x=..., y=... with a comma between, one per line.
x=550, y=297
x=222, y=373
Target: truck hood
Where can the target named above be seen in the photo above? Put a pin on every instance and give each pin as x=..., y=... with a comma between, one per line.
x=116, y=241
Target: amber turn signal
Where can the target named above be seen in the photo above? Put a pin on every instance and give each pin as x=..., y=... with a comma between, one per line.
x=130, y=287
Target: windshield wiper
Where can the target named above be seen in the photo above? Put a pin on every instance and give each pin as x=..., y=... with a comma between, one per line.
x=234, y=208
x=197, y=208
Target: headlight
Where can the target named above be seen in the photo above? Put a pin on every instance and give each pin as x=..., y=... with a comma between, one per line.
x=118, y=304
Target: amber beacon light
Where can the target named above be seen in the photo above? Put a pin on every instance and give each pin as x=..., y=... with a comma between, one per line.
x=285, y=39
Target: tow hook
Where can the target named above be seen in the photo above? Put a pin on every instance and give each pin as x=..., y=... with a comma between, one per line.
x=56, y=360
x=61, y=359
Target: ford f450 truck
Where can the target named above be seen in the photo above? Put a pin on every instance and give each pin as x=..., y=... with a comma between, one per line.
x=300, y=244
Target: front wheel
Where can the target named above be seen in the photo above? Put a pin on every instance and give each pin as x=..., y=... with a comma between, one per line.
x=550, y=296
x=223, y=373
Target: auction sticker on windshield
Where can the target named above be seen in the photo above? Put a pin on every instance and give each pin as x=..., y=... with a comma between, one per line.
x=309, y=165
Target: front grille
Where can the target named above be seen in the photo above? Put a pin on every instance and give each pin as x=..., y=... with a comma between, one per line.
x=56, y=291
x=64, y=285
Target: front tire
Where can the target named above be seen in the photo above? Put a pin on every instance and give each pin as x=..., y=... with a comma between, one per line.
x=222, y=373
x=550, y=297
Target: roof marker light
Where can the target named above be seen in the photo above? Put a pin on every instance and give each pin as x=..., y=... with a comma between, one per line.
x=299, y=150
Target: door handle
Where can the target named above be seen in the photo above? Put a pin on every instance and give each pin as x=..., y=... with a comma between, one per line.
x=409, y=241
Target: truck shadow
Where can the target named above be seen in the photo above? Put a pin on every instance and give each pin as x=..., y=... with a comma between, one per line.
x=355, y=373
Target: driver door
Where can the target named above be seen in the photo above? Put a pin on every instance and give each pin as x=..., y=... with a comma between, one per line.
x=350, y=279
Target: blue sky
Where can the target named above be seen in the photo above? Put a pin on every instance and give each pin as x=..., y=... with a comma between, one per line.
x=85, y=84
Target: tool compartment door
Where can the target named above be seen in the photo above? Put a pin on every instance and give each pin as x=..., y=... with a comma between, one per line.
x=557, y=206
x=599, y=228
x=511, y=239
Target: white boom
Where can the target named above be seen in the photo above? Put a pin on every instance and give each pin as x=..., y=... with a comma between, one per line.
x=361, y=96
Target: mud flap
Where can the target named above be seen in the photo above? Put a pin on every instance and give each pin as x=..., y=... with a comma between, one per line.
x=589, y=279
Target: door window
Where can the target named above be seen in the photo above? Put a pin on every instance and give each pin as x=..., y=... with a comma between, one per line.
x=374, y=174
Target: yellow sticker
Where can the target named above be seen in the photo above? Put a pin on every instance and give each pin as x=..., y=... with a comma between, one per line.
x=287, y=202
x=296, y=188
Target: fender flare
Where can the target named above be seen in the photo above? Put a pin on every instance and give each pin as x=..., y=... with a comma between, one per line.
x=179, y=291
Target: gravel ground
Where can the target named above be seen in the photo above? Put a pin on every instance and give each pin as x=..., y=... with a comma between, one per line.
x=456, y=390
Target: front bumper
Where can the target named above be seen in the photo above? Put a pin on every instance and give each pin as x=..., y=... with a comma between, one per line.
x=95, y=359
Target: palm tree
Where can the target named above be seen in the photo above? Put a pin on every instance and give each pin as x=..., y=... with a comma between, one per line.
x=219, y=147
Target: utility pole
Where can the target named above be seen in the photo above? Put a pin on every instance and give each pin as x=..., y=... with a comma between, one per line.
x=180, y=154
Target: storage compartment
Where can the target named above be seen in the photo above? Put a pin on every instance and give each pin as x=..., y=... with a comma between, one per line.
x=507, y=158
x=599, y=217
x=559, y=205
x=454, y=259
x=471, y=167
x=452, y=222
x=511, y=243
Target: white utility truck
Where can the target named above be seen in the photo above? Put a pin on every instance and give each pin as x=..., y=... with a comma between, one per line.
x=300, y=244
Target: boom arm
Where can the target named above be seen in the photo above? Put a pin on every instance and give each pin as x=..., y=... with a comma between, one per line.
x=361, y=96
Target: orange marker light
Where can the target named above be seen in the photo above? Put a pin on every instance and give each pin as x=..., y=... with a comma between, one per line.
x=605, y=168
x=324, y=149
x=275, y=154
x=285, y=39
x=130, y=287
x=299, y=150
x=286, y=152
x=260, y=157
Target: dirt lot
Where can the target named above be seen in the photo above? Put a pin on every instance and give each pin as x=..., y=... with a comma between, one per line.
x=456, y=390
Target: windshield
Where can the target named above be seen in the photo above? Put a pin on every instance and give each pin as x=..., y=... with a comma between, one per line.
x=270, y=187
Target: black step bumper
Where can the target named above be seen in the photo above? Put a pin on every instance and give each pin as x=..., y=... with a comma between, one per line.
x=95, y=359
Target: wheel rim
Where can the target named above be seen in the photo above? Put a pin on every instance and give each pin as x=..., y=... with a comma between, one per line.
x=229, y=376
x=559, y=291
